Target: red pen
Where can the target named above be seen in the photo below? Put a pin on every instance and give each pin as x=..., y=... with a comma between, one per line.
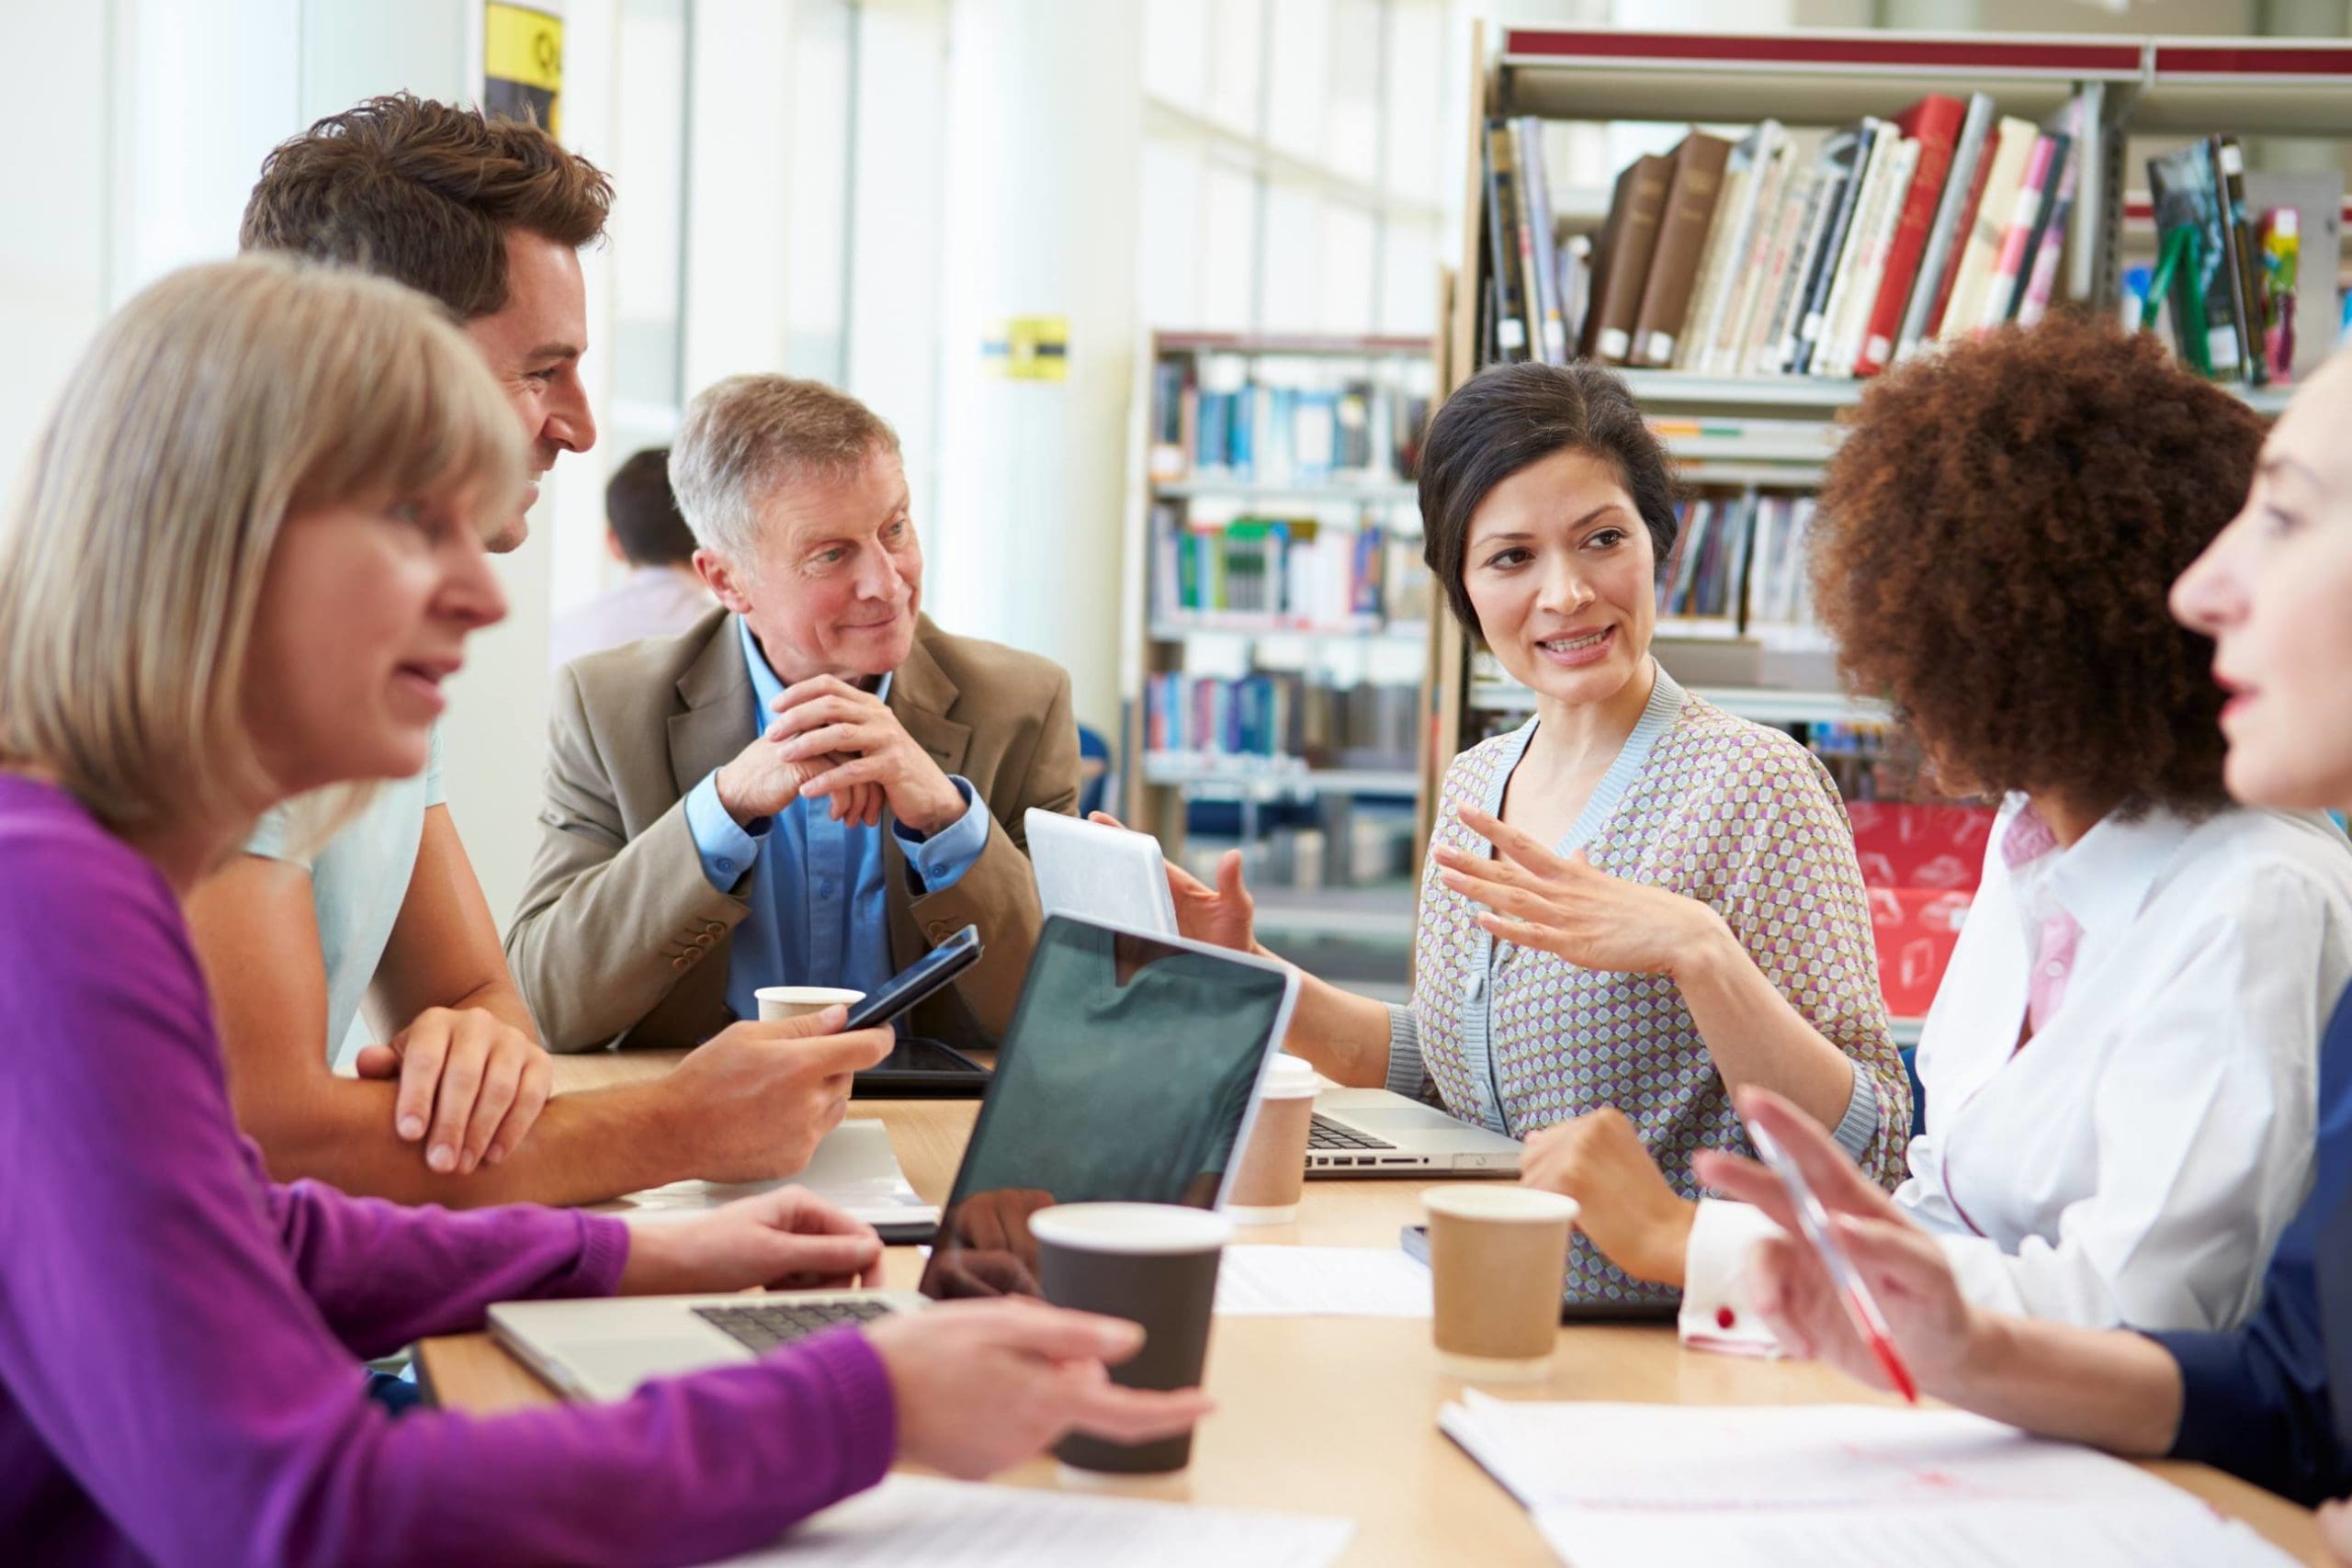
x=1861, y=1307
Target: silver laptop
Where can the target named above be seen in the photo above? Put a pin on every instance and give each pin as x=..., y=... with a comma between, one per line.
x=1113, y=875
x=1371, y=1131
x=1129, y=1072
x=1119, y=878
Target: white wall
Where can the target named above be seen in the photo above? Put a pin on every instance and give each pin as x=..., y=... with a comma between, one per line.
x=1045, y=108
x=56, y=238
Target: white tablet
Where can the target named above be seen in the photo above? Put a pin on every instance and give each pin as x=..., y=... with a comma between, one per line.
x=1110, y=875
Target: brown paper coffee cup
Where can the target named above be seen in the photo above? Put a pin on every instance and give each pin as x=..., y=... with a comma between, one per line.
x=1497, y=1257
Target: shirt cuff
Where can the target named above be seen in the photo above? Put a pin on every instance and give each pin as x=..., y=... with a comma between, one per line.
x=1713, y=1318
x=1858, y=1129
x=727, y=848
x=941, y=861
x=1404, y=1069
x=2222, y=1412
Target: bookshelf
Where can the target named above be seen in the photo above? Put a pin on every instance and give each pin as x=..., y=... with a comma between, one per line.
x=1747, y=441
x=1278, y=618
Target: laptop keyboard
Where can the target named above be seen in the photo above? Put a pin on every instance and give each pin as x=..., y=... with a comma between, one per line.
x=1327, y=1134
x=765, y=1327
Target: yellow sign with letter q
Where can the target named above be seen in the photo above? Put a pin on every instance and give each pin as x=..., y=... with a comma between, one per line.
x=522, y=57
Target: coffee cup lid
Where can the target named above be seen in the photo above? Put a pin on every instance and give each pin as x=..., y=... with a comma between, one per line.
x=1289, y=1078
x=1141, y=1228
x=1499, y=1201
x=825, y=996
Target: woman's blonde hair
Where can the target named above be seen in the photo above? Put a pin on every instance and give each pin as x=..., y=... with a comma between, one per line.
x=221, y=401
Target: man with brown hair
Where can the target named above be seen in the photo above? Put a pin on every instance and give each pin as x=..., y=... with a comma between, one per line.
x=813, y=785
x=486, y=217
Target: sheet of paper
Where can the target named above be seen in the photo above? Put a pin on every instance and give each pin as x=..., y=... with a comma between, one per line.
x=2178, y=1532
x=957, y=1524
x=854, y=1168
x=1320, y=1281
x=1792, y=1455
x=1827, y=1486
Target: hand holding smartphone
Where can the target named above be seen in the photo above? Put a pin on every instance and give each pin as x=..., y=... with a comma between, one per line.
x=919, y=981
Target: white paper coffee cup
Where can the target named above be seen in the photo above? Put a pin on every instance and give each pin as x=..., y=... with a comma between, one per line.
x=778, y=1003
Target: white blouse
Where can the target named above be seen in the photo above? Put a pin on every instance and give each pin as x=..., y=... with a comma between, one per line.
x=2133, y=1161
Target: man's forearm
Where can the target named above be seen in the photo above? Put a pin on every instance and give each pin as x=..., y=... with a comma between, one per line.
x=586, y=1147
x=502, y=999
x=2110, y=1388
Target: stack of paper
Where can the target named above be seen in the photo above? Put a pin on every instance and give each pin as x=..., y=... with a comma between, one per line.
x=1825, y=1486
x=1320, y=1281
x=854, y=1168
x=958, y=1524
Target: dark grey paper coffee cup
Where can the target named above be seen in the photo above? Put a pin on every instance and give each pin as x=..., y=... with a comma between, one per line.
x=1150, y=1263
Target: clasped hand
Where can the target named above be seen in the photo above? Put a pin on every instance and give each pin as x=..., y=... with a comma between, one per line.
x=831, y=740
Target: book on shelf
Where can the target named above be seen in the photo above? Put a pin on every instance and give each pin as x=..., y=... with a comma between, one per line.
x=2298, y=219
x=1845, y=160
x=1980, y=256
x=1739, y=569
x=1934, y=124
x=1294, y=424
x=1281, y=718
x=1508, y=315
x=1621, y=261
x=2191, y=241
x=1955, y=209
x=1545, y=327
x=2237, y=256
x=1298, y=571
x=1754, y=178
x=1690, y=199
x=1797, y=253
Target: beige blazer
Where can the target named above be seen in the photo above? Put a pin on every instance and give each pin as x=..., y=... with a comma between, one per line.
x=619, y=937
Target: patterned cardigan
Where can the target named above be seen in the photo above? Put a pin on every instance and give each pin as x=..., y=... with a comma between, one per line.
x=1733, y=813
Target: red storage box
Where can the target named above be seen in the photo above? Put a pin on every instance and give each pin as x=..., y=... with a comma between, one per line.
x=1921, y=865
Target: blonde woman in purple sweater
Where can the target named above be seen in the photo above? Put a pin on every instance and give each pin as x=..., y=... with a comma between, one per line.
x=247, y=558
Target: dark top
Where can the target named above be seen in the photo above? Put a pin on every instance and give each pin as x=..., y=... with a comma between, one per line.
x=2271, y=1400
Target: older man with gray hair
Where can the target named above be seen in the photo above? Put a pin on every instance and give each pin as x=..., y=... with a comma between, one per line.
x=814, y=783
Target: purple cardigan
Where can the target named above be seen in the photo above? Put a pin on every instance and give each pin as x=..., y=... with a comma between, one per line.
x=180, y=1337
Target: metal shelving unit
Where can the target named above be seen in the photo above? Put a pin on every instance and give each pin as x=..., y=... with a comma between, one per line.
x=1162, y=639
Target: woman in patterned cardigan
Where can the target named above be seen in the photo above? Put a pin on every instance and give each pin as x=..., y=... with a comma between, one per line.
x=1725, y=937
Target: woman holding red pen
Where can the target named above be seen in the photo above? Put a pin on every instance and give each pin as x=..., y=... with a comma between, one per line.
x=2271, y=1401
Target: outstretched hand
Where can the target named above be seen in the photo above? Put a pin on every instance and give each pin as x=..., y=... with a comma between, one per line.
x=1563, y=905
x=1224, y=915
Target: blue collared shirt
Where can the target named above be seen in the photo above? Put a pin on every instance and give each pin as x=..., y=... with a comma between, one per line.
x=820, y=910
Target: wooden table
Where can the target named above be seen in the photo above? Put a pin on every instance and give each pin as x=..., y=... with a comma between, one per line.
x=1336, y=1415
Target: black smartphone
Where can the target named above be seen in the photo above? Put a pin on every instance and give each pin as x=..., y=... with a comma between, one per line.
x=919, y=980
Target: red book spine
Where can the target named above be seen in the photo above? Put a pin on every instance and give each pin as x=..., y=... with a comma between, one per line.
x=1976, y=201
x=1934, y=122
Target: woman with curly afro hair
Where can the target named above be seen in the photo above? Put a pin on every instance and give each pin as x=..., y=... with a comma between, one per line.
x=2119, y=1065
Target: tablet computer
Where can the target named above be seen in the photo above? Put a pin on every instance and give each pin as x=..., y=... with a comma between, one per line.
x=1112, y=875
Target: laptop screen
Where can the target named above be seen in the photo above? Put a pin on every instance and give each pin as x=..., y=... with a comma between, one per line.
x=1127, y=1075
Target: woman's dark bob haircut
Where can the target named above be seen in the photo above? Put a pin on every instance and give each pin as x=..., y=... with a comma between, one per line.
x=1509, y=416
